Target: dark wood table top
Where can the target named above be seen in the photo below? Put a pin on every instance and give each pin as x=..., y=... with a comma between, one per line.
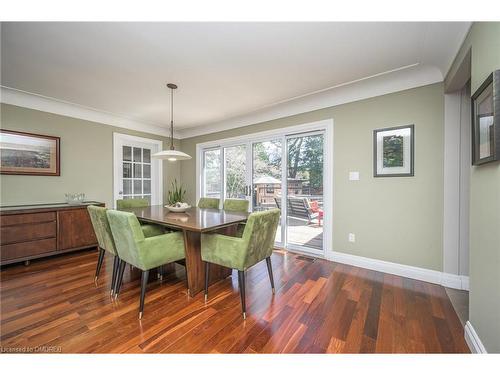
x=194, y=219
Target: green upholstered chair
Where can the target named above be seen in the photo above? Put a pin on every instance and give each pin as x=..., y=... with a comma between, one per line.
x=141, y=252
x=105, y=240
x=237, y=205
x=149, y=230
x=242, y=253
x=208, y=203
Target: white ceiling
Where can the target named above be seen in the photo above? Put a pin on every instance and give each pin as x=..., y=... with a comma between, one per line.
x=224, y=70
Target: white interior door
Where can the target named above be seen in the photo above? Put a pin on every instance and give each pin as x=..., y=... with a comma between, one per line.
x=136, y=173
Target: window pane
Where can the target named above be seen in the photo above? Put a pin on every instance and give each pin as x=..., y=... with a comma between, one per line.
x=137, y=154
x=137, y=187
x=147, y=186
x=266, y=177
x=127, y=170
x=146, y=168
x=127, y=186
x=146, y=155
x=137, y=170
x=235, y=165
x=127, y=153
x=127, y=197
x=212, y=173
x=148, y=197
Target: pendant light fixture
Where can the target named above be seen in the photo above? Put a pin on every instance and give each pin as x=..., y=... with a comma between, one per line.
x=172, y=154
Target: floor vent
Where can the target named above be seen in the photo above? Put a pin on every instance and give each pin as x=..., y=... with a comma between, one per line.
x=307, y=259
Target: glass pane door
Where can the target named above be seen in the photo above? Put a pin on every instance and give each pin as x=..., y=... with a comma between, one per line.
x=266, y=177
x=136, y=172
x=304, y=211
x=235, y=172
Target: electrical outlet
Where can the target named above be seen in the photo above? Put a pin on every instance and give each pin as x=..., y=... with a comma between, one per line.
x=352, y=237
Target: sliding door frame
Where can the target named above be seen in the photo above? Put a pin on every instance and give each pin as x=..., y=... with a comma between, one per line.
x=324, y=126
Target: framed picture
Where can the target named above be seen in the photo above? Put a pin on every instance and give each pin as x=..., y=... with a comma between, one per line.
x=486, y=121
x=29, y=154
x=393, y=151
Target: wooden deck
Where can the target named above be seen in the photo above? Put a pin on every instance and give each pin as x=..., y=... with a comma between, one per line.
x=303, y=234
x=319, y=307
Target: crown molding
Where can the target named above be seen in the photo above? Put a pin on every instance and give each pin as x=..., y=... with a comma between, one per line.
x=47, y=104
x=400, y=79
x=404, y=78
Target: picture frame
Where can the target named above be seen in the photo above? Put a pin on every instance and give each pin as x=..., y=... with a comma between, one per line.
x=29, y=154
x=393, y=151
x=485, y=121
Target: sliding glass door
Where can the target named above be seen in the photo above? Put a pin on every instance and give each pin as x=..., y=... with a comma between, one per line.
x=304, y=214
x=267, y=177
x=283, y=172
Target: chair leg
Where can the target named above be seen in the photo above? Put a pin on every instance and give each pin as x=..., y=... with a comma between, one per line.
x=270, y=271
x=207, y=271
x=119, y=277
x=116, y=264
x=144, y=283
x=99, y=263
x=241, y=285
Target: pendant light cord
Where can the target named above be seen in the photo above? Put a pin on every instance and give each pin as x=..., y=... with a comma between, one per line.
x=172, y=119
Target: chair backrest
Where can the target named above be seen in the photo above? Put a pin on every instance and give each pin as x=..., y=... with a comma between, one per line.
x=128, y=235
x=208, y=203
x=101, y=228
x=236, y=205
x=259, y=235
x=131, y=203
x=278, y=202
x=298, y=207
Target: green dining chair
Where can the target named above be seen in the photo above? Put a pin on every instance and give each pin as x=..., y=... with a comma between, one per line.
x=242, y=253
x=105, y=240
x=148, y=229
x=208, y=203
x=237, y=205
x=141, y=252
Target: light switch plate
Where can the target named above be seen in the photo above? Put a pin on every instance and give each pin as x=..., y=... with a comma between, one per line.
x=353, y=176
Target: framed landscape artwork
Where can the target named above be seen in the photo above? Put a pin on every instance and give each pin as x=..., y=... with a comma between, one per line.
x=29, y=154
x=393, y=151
x=486, y=121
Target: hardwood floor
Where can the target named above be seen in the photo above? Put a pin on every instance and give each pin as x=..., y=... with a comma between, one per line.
x=319, y=307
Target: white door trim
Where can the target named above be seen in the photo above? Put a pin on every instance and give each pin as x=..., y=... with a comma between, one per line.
x=118, y=138
x=322, y=125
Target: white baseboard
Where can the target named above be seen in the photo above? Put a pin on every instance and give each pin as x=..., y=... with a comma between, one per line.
x=431, y=276
x=473, y=340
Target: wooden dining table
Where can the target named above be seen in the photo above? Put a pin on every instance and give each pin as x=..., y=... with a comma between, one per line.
x=193, y=223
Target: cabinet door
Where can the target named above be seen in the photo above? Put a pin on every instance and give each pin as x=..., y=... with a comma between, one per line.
x=75, y=229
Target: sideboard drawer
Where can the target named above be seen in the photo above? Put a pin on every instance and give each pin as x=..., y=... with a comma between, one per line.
x=28, y=232
x=27, y=249
x=39, y=217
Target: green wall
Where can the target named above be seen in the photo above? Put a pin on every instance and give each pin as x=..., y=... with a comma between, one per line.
x=395, y=219
x=484, y=275
x=86, y=158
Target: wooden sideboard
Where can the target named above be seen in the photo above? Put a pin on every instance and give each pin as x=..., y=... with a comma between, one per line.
x=36, y=231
